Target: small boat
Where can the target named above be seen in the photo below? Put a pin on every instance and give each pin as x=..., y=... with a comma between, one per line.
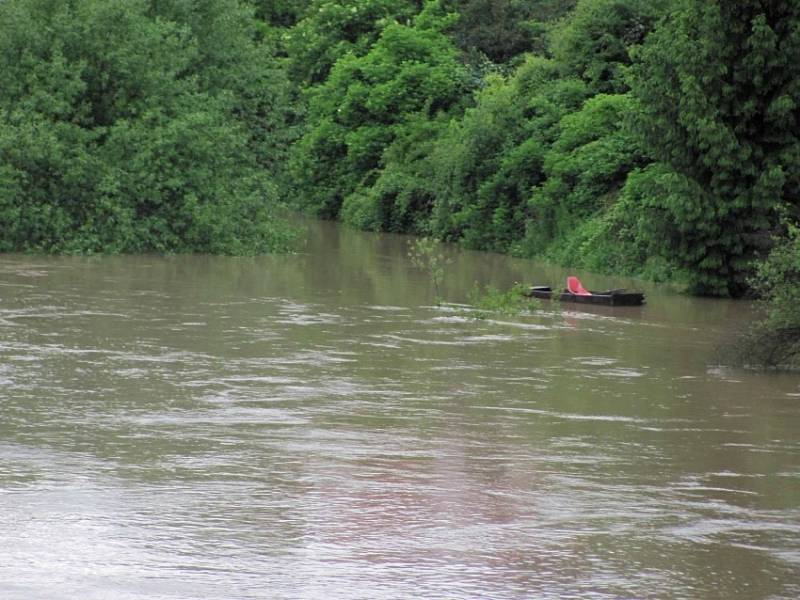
x=575, y=292
x=608, y=298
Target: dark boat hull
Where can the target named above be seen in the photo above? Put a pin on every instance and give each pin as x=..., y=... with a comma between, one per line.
x=609, y=298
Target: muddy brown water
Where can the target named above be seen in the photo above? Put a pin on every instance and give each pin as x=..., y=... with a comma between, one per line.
x=313, y=426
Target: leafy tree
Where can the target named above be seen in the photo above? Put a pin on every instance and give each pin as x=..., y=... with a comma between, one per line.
x=719, y=89
x=356, y=114
x=280, y=13
x=622, y=237
x=532, y=131
x=504, y=29
x=487, y=163
x=585, y=168
x=402, y=196
x=594, y=43
x=332, y=29
x=108, y=142
x=233, y=66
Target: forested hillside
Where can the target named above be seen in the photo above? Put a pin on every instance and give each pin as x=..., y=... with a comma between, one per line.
x=650, y=137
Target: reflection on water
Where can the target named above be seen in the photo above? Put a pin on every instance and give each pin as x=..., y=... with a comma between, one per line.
x=311, y=426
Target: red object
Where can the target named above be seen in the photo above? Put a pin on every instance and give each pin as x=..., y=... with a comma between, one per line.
x=574, y=286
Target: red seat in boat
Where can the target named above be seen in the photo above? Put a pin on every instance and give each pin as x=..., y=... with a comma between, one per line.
x=574, y=286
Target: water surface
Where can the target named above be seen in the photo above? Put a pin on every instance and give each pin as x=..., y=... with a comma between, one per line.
x=312, y=426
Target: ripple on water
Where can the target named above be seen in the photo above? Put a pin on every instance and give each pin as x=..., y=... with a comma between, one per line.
x=206, y=438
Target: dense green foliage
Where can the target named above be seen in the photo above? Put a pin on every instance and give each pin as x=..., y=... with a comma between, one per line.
x=280, y=13
x=594, y=42
x=354, y=116
x=489, y=161
x=136, y=126
x=775, y=340
x=468, y=168
x=330, y=30
x=778, y=281
x=719, y=88
x=502, y=30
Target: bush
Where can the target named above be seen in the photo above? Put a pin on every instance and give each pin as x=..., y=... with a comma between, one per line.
x=510, y=302
x=777, y=281
x=774, y=341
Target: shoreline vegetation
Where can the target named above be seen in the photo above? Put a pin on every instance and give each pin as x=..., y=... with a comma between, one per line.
x=657, y=139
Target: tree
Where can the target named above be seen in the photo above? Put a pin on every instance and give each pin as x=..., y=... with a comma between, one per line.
x=232, y=65
x=280, y=13
x=330, y=30
x=584, y=169
x=504, y=29
x=404, y=192
x=110, y=141
x=595, y=42
x=488, y=161
x=719, y=89
x=356, y=114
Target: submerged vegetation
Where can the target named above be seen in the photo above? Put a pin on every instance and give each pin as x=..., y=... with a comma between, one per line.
x=426, y=253
x=656, y=138
x=490, y=300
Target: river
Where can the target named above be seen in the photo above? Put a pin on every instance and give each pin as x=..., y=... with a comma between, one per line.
x=312, y=426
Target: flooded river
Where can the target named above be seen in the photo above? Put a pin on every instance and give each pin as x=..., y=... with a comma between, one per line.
x=313, y=426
